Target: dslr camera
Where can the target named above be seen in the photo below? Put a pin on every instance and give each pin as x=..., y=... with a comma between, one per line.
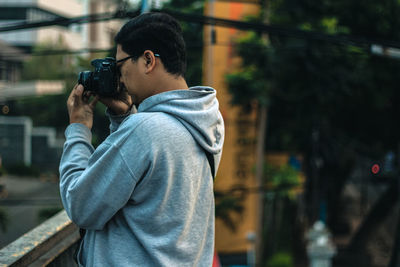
x=103, y=81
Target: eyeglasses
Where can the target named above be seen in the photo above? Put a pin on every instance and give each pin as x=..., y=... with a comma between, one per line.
x=125, y=59
x=128, y=57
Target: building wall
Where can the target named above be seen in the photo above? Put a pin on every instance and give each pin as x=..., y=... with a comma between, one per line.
x=46, y=148
x=36, y=10
x=101, y=34
x=91, y=35
x=238, y=159
x=64, y=7
x=67, y=8
x=97, y=35
x=9, y=72
x=20, y=38
x=61, y=35
x=15, y=140
x=20, y=143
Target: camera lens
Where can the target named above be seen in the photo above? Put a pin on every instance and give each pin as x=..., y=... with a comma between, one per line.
x=103, y=80
x=85, y=78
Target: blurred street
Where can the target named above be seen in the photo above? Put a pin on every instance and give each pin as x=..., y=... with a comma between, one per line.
x=25, y=198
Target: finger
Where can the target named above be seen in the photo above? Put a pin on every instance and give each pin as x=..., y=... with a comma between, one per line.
x=86, y=96
x=77, y=96
x=79, y=90
x=73, y=91
x=71, y=95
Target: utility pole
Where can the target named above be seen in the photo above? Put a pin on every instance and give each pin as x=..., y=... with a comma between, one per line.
x=262, y=128
x=210, y=46
x=145, y=7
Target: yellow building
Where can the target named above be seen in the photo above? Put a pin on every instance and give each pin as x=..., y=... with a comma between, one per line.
x=237, y=168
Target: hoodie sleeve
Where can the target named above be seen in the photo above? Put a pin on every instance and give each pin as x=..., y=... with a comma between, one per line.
x=89, y=191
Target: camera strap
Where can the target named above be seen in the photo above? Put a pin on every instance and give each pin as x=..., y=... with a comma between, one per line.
x=210, y=159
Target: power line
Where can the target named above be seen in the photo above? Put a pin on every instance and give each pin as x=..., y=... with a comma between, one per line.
x=53, y=52
x=68, y=21
x=282, y=31
x=207, y=20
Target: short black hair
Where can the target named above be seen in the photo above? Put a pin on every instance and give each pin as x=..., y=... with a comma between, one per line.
x=158, y=32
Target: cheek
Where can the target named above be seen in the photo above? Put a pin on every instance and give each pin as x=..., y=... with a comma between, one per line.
x=124, y=76
x=123, y=73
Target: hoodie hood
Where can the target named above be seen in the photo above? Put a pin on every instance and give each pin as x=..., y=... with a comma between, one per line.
x=197, y=108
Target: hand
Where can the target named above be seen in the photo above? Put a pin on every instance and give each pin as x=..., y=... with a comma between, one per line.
x=80, y=110
x=119, y=104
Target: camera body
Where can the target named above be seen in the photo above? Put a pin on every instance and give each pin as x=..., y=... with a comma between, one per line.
x=103, y=81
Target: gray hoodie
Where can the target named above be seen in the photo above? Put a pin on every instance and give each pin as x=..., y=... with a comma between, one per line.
x=145, y=195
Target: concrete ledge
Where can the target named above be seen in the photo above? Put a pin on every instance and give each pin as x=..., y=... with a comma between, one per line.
x=43, y=244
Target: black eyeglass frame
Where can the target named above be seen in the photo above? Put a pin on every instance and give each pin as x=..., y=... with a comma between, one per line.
x=128, y=57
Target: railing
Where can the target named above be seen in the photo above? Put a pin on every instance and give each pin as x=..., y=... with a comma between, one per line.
x=50, y=244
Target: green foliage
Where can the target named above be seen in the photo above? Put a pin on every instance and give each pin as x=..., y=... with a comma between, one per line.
x=339, y=89
x=193, y=36
x=227, y=207
x=51, y=110
x=344, y=91
x=283, y=176
x=252, y=81
x=332, y=103
x=47, y=67
x=281, y=259
x=246, y=86
x=47, y=110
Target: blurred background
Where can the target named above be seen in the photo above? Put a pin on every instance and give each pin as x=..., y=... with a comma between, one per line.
x=309, y=94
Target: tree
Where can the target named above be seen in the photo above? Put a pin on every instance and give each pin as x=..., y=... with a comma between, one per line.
x=226, y=205
x=51, y=110
x=328, y=102
x=193, y=36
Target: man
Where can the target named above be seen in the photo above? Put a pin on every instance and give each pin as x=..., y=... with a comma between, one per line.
x=145, y=195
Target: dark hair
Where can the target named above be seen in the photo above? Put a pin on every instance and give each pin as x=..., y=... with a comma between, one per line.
x=158, y=32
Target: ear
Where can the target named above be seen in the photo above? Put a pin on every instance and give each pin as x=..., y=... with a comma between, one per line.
x=150, y=60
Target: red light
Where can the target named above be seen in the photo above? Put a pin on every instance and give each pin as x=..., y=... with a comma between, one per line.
x=375, y=168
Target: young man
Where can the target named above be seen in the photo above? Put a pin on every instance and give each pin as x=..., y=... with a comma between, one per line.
x=145, y=195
